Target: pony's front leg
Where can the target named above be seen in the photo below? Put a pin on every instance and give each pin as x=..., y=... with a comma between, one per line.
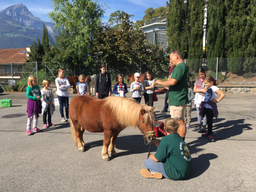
x=111, y=149
x=106, y=141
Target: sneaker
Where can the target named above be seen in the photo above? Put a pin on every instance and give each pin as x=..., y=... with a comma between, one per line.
x=45, y=126
x=28, y=132
x=205, y=134
x=146, y=173
x=67, y=120
x=187, y=126
x=203, y=130
x=211, y=138
x=164, y=111
x=198, y=127
x=36, y=129
x=63, y=119
x=51, y=125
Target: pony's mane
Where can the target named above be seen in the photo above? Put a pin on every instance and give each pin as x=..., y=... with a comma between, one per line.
x=127, y=111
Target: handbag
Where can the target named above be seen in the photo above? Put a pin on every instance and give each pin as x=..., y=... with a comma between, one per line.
x=155, y=97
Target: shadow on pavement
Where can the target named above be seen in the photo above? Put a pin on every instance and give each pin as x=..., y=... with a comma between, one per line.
x=230, y=128
x=56, y=127
x=129, y=145
x=201, y=164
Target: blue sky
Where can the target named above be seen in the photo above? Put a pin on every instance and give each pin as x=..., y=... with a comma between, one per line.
x=40, y=8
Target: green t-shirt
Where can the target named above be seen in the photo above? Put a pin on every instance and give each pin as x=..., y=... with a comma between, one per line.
x=175, y=156
x=178, y=93
x=33, y=92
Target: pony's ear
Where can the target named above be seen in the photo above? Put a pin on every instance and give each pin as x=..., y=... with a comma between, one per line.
x=143, y=111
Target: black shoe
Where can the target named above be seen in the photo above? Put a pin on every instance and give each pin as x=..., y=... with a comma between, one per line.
x=203, y=130
x=198, y=127
x=164, y=111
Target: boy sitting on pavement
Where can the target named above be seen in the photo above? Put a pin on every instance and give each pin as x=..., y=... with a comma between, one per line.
x=172, y=158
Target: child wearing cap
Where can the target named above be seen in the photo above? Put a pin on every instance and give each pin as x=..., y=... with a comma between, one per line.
x=136, y=88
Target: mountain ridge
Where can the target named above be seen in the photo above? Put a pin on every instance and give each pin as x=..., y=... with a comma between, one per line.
x=19, y=27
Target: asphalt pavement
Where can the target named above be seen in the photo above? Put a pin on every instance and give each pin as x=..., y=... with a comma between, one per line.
x=49, y=161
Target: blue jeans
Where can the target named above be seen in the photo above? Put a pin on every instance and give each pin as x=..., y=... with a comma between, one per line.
x=155, y=166
x=165, y=101
x=64, y=101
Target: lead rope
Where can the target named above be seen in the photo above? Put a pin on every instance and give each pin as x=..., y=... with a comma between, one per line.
x=149, y=149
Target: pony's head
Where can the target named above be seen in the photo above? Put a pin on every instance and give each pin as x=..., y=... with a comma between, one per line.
x=128, y=77
x=146, y=120
x=129, y=112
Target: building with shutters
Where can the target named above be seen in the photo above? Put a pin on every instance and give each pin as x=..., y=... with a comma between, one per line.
x=156, y=32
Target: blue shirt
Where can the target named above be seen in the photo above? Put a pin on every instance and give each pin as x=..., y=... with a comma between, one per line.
x=81, y=88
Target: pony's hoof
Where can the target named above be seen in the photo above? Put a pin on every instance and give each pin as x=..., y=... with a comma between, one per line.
x=105, y=158
x=81, y=149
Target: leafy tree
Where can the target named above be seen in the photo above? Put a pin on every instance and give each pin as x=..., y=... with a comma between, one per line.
x=116, y=18
x=77, y=20
x=125, y=48
x=176, y=26
x=151, y=15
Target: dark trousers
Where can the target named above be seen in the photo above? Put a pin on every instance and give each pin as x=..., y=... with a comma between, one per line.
x=149, y=99
x=165, y=101
x=64, y=101
x=138, y=99
x=209, y=116
x=49, y=116
x=102, y=96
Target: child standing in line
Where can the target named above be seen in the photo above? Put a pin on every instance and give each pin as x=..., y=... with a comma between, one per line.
x=48, y=106
x=208, y=106
x=81, y=86
x=136, y=88
x=34, y=106
x=103, y=83
x=187, y=111
x=149, y=85
x=63, y=85
x=120, y=88
x=172, y=158
x=200, y=90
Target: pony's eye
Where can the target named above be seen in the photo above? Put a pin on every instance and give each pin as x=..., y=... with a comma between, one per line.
x=142, y=121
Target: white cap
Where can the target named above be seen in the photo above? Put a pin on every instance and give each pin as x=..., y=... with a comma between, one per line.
x=136, y=74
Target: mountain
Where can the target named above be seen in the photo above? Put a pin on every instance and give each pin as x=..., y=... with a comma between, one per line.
x=19, y=27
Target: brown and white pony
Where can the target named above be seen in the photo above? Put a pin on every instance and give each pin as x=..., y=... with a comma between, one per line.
x=74, y=79
x=130, y=78
x=110, y=115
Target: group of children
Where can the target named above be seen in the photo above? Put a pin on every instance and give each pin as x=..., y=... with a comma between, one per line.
x=206, y=91
x=172, y=159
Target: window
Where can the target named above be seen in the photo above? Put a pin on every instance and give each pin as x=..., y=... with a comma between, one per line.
x=8, y=68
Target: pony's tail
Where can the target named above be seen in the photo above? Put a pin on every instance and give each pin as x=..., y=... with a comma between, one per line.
x=73, y=131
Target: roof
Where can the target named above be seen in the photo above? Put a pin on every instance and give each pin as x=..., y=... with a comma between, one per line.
x=13, y=55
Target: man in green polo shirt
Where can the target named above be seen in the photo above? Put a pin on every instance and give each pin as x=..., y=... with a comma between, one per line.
x=178, y=90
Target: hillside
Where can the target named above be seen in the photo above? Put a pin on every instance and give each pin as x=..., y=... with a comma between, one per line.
x=19, y=28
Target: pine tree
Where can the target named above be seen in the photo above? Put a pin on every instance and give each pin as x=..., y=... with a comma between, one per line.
x=194, y=31
x=215, y=32
x=250, y=31
x=176, y=26
x=45, y=39
x=236, y=40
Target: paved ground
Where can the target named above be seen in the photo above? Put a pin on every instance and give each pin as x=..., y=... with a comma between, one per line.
x=49, y=161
